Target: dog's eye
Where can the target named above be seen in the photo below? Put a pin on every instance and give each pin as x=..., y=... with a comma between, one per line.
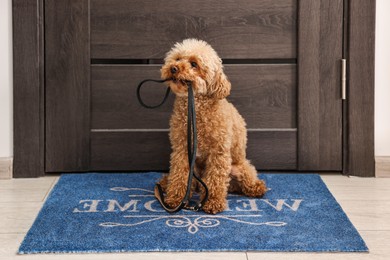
x=194, y=64
x=177, y=59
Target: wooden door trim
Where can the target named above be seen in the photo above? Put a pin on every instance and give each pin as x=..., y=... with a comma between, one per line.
x=29, y=87
x=360, y=54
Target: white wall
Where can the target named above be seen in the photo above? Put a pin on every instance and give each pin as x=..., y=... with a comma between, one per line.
x=382, y=78
x=6, y=138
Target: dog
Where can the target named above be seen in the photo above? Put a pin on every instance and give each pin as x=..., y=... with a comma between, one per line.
x=221, y=131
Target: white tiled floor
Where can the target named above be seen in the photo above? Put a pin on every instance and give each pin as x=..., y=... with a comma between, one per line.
x=366, y=202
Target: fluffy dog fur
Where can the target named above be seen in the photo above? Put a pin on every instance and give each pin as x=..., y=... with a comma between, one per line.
x=221, y=156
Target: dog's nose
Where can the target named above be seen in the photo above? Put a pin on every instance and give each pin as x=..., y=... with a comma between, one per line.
x=174, y=69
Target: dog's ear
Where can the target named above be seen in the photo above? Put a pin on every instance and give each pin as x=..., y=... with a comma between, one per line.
x=221, y=86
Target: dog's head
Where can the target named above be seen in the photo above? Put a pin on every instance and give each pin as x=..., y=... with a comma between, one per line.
x=196, y=61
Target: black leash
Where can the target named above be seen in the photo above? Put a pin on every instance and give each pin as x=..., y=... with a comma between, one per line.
x=139, y=93
x=192, y=144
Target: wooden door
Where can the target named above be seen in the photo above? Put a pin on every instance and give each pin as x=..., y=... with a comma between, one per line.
x=282, y=57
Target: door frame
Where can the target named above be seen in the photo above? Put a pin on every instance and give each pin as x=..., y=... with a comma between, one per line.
x=29, y=88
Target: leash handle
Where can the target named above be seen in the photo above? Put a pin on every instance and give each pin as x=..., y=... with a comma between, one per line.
x=139, y=93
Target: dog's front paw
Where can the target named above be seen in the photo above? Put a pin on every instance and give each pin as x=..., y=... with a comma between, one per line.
x=258, y=189
x=213, y=206
x=173, y=201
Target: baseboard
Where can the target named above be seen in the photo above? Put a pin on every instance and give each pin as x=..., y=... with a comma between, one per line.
x=6, y=168
x=382, y=166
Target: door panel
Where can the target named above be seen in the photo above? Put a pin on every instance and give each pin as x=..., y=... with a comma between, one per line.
x=264, y=94
x=134, y=150
x=149, y=150
x=114, y=100
x=146, y=29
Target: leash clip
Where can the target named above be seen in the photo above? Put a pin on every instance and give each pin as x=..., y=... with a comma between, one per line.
x=193, y=206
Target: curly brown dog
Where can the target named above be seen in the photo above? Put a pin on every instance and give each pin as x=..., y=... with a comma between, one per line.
x=221, y=156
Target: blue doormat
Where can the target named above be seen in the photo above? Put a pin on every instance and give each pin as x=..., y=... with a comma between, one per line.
x=118, y=213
